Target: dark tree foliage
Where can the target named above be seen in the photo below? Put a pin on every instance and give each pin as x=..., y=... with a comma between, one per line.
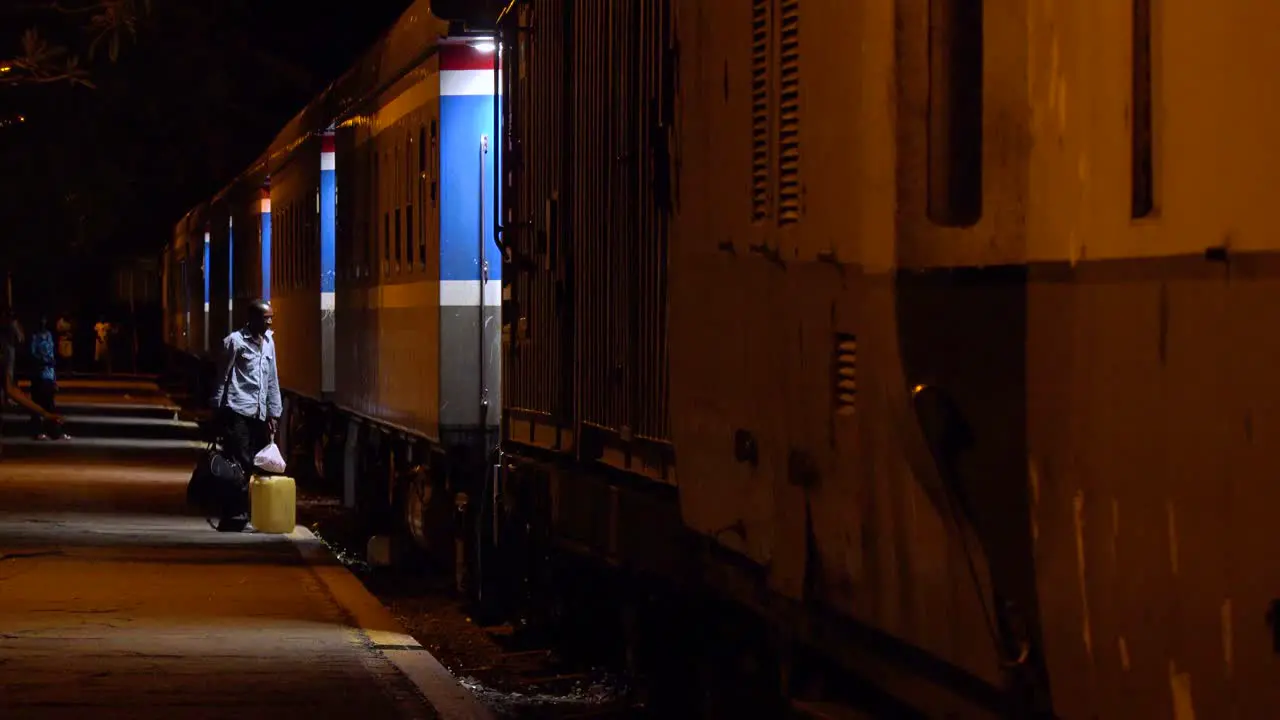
x=103, y=25
x=118, y=116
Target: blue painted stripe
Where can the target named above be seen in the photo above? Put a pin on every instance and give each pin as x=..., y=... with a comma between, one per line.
x=231, y=262
x=464, y=119
x=328, y=229
x=204, y=270
x=266, y=256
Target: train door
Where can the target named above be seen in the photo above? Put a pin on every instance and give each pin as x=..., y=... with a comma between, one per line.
x=470, y=263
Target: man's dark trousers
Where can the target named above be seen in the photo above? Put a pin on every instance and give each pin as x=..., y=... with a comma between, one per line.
x=242, y=439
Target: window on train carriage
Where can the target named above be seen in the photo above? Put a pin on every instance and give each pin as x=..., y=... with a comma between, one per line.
x=408, y=236
x=372, y=209
x=279, y=244
x=954, y=164
x=298, y=245
x=398, y=246
x=435, y=164
x=293, y=247
x=289, y=247
x=306, y=251
x=398, y=164
x=421, y=237
x=280, y=249
x=286, y=250
x=406, y=182
x=387, y=168
x=1142, y=171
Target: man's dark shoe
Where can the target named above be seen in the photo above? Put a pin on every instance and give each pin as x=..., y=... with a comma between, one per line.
x=233, y=524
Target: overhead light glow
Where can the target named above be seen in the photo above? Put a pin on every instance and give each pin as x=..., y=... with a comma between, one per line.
x=485, y=47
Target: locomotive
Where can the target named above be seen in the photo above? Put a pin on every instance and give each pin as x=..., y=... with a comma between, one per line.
x=933, y=336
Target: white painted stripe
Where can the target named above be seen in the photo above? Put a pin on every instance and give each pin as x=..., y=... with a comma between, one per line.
x=206, y=307
x=231, y=304
x=266, y=206
x=424, y=294
x=326, y=301
x=467, y=82
x=326, y=161
x=466, y=293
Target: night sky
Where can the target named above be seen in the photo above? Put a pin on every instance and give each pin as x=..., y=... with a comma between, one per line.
x=99, y=173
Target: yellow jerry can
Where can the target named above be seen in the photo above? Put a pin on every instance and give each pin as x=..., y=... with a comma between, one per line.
x=273, y=503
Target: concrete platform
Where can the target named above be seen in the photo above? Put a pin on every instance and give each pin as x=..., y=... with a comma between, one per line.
x=115, y=603
x=102, y=385
x=107, y=426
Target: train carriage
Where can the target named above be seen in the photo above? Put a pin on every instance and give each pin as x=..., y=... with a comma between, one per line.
x=918, y=329
x=421, y=273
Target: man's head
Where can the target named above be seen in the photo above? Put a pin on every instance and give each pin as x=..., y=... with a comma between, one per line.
x=260, y=317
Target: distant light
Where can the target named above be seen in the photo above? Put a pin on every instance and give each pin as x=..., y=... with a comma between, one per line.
x=485, y=47
x=5, y=69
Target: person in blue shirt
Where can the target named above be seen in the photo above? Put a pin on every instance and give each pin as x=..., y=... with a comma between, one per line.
x=44, y=381
x=246, y=397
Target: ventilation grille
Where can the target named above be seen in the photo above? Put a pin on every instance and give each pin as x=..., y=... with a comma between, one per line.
x=761, y=34
x=789, y=113
x=846, y=374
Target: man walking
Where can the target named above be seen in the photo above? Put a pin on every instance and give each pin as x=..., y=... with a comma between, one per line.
x=103, y=331
x=44, y=382
x=247, y=399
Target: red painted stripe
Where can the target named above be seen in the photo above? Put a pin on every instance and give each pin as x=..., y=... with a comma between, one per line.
x=465, y=57
x=264, y=194
x=326, y=143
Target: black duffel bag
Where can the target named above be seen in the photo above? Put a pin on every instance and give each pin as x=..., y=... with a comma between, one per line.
x=216, y=485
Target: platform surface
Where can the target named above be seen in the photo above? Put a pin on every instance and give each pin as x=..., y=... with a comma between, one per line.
x=114, y=603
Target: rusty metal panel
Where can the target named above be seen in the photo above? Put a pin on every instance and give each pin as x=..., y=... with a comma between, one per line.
x=537, y=367
x=620, y=217
x=589, y=100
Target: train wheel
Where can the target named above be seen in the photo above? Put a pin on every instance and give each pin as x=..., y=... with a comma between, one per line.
x=427, y=515
x=318, y=453
x=419, y=494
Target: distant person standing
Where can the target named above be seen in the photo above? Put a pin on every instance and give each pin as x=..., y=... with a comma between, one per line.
x=247, y=398
x=11, y=339
x=66, y=347
x=44, y=382
x=103, y=331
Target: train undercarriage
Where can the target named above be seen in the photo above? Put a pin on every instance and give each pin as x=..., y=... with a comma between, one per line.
x=604, y=567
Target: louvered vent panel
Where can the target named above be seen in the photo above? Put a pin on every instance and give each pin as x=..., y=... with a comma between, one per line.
x=846, y=374
x=761, y=34
x=789, y=112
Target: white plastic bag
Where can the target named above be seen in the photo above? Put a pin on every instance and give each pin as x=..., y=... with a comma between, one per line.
x=269, y=459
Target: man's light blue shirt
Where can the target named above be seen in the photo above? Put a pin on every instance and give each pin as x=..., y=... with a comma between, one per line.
x=253, y=387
